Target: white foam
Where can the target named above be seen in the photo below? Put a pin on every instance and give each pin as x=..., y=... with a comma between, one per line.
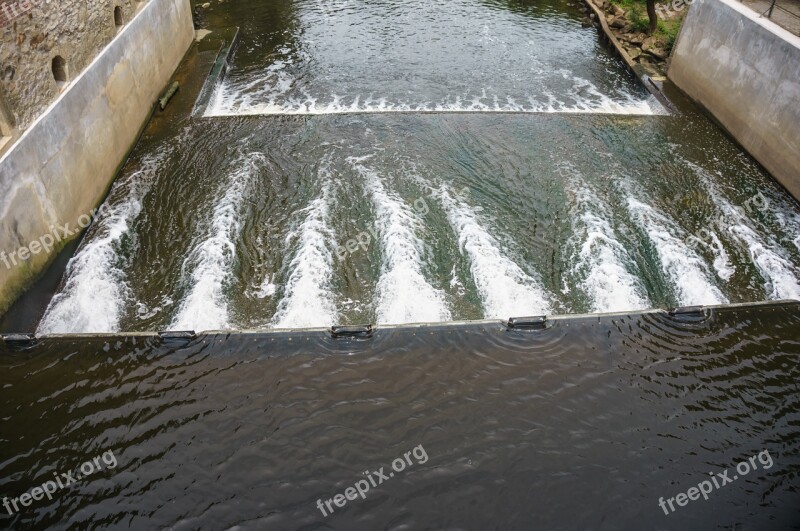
x=205, y=307
x=274, y=100
x=308, y=299
x=96, y=293
x=505, y=289
x=789, y=222
x=403, y=294
x=687, y=272
x=722, y=262
x=601, y=258
x=779, y=274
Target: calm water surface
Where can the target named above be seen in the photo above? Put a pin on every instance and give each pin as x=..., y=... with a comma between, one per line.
x=583, y=425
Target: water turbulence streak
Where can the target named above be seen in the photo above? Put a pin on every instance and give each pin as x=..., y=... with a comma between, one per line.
x=505, y=288
x=209, y=267
x=403, y=293
x=780, y=276
x=95, y=292
x=275, y=221
x=308, y=300
x=602, y=265
x=366, y=57
x=685, y=270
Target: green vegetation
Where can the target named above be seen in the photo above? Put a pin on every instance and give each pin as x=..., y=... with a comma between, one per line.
x=669, y=30
x=666, y=31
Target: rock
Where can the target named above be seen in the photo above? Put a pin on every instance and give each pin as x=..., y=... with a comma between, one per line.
x=618, y=11
x=650, y=69
x=633, y=52
x=658, y=53
x=636, y=38
x=586, y=22
x=206, y=5
x=647, y=43
x=617, y=23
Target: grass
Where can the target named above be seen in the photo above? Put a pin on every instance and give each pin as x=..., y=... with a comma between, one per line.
x=636, y=13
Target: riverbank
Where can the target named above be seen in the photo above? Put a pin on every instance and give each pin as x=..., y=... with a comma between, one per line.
x=626, y=22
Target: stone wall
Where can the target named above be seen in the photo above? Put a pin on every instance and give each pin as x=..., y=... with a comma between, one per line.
x=60, y=168
x=745, y=70
x=33, y=32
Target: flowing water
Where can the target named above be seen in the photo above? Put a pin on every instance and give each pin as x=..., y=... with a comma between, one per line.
x=583, y=425
x=402, y=161
x=410, y=161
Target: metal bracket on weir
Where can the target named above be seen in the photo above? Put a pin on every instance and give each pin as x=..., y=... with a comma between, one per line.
x=690, y=313
x=355, y=332
x=19, y=340
x=178, y=335
x=688, y=310
x=538, y=322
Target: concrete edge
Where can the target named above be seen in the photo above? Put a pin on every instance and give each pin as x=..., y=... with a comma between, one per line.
x=766, y=23
x=73, y=82
x=601, y=17
x=645, y=79
x=499, y=323
x=227, y=48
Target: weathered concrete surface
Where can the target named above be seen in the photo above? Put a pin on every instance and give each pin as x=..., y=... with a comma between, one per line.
x=32, y=32
x=63, y=164
x=745, y=71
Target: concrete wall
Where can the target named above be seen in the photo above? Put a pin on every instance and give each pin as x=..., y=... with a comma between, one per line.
x=745, y=70
x=35, y=31
x=62, y=166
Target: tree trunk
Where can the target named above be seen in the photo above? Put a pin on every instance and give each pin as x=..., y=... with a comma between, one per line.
x=651, y=14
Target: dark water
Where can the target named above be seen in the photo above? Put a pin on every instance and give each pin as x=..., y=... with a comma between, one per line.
x=584, y=425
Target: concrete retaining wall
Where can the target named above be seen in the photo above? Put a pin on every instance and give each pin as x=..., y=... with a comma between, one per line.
x=62, y=166
x=745, y=70
x=33, y=32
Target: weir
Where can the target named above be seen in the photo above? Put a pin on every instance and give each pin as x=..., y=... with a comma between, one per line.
x=362, y=232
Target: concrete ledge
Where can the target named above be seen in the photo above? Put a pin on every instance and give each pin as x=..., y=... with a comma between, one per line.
x=745, y=70
x=694, y=314
x=63, y=164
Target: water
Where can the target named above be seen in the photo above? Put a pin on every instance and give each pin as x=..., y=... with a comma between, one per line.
x=399, y=162
x=414, y=56
x=583, y=425
x=408, y=161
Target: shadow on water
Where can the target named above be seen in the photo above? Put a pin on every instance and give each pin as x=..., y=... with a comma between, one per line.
x=585, y=424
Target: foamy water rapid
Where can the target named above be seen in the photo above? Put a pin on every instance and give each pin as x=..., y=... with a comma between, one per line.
x=308, y=299
x=686, y=272
x=403, y=295
x=601, y=263
x=506, y=290
x=208, y=268
x=95, y=294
